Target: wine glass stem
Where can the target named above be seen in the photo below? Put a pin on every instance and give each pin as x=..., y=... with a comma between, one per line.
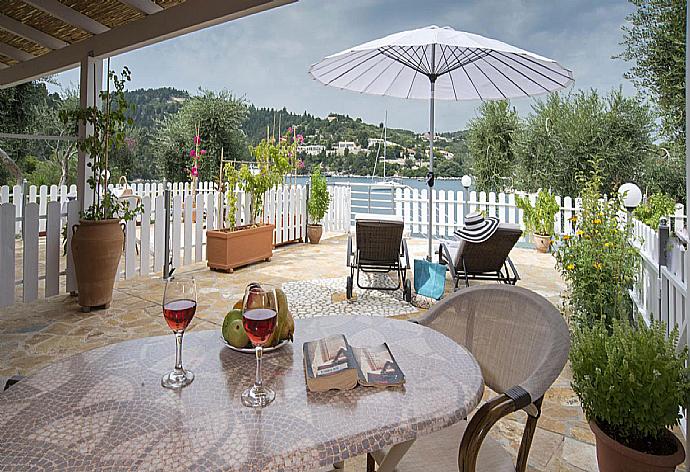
x=178, y=351
x=259, y=379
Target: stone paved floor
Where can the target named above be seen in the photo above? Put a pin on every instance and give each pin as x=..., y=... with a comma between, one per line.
x=34, y=335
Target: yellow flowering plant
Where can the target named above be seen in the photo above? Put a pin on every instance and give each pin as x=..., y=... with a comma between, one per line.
x=596, y=260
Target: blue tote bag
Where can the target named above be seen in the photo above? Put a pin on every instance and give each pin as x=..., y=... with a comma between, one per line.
x=429, y=278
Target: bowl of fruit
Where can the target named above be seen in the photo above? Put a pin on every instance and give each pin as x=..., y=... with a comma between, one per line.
x=235, y=337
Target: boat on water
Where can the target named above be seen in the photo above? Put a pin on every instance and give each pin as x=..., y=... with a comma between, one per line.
x=390, y=182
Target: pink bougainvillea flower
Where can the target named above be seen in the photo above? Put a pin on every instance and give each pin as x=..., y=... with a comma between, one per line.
x=192, y=153
x=300, y=138
x=289, y=130
x=300, y=164
x=289, y=153
x=197, y=139
x=194, y=171
x=202, y=152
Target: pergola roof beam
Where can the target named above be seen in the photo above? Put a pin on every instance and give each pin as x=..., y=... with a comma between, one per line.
x=69, y=15
x=32, y=34
x=191, y=15
x=14, y=53
x=145, y=6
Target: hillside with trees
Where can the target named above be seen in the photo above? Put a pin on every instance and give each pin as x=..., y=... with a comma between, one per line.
x=164, y=124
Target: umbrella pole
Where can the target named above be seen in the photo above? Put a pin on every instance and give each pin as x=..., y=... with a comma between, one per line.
x=430, y=175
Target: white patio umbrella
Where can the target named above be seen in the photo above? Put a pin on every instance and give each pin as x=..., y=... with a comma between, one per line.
x=441, y=63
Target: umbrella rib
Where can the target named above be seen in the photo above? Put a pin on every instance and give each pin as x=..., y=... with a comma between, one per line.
x=403, y=56
x=446, y=69
x=517, y=71
x=366, y=70
x=409, y=91
x=468, y=57
x=390, y=64
x=402, y=68
x=452, y=84
x=532, y=69
x=351, y=69
x=431, y=68
x=347, y=60
x=529, y=59
x=511, y=80
x=472, y=82
x=388, y=51
x=493, y=83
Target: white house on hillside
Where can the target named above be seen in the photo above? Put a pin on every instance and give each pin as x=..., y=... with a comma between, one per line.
x=311, y=149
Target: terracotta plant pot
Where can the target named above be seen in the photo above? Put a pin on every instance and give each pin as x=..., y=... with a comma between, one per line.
x=542, y=243
x=226, y=250
x=612, y=456
x=96, y=250
x=314, y=233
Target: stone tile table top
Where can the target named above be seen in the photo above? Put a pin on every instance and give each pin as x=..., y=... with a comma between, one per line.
x=105, y=409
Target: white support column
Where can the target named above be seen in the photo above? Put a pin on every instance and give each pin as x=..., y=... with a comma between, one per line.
x=91, y=78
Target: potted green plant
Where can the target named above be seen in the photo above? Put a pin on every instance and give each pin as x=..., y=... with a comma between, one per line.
x=98, y=238
x=317, y=206
x=235, y=246
x=539, y=218
x=631, y=384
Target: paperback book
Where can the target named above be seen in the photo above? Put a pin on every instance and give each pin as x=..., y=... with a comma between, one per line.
x=331, y=363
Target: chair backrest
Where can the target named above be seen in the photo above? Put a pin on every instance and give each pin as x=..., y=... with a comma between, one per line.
x=379, y=240
x=488, y=256
x=517, y=336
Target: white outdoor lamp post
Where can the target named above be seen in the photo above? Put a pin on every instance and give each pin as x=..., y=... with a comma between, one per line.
x=631, y=194
x=466, y=181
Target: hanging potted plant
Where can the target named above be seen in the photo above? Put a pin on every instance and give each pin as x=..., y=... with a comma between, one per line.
x=539, y=218
x=317, y=206
x=234, y=246
x=98, y=239
x=631, y=383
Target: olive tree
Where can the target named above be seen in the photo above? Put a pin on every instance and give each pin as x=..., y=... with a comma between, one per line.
x=565, y=134
x=490, y=144
x=218, y=117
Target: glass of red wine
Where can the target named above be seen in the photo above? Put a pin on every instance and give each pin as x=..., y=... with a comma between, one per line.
x=179, y=306
x=259, y=317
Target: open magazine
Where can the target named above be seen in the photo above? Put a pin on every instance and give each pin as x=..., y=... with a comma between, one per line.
x=331, y=363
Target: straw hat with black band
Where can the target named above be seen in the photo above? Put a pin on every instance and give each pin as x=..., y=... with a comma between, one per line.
x=477, y=229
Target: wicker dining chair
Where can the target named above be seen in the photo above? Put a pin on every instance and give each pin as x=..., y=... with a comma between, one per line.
x=521, y=343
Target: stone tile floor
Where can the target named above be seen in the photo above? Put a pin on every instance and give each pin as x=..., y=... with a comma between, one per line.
x=36, y=334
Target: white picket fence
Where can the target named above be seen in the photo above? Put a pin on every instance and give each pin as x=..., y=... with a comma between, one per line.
x=660, y=291
x=450, y=208
x=32, y=259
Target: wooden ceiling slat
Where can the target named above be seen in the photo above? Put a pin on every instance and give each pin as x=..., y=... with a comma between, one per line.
x=15, y=53
x=7, y=60
x=42, y=21
x=111, y=13
x=145, y=6
x=22, y=44
x=69, y=15
x=129, y=29
x=32, y=34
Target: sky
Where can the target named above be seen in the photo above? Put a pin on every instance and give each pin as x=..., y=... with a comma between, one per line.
x=265, y=57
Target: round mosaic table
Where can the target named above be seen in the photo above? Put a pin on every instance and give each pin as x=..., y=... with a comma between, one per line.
x=105, y=409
